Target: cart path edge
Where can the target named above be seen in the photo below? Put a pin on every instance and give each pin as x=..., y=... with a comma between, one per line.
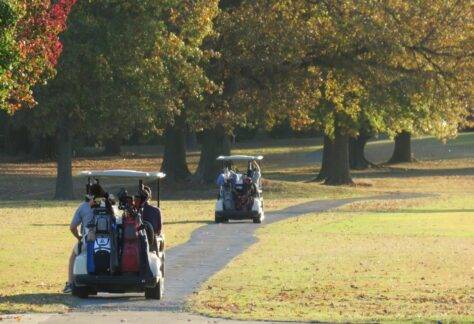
x=210, y=248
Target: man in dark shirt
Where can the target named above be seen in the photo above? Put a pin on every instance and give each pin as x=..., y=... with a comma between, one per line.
x=151, y=213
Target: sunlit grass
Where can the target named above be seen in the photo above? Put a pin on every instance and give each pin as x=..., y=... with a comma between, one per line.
x=35, y=244
x=403, y=263
x=35, y=241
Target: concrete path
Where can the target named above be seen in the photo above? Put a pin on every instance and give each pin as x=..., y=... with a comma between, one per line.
x=189, y=265
x=209, y=249
x=119, y=317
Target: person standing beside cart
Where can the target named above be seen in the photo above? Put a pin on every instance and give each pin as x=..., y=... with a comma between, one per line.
x=254, y=173
x=82, y=217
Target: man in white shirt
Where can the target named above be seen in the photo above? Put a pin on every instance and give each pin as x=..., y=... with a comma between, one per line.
x=83, y=216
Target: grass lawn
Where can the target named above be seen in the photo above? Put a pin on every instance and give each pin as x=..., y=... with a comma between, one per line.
x=39, y=230
x=369, y=261
x=35, y=244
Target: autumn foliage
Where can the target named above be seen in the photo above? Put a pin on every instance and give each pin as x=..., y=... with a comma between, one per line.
x=38, y=48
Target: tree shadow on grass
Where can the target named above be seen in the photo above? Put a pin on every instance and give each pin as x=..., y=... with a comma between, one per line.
x=21, y=303
x=429, y=211
x=392, y=172
x=412, y=211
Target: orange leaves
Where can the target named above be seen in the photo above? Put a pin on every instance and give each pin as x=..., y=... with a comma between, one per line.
x=37, y=42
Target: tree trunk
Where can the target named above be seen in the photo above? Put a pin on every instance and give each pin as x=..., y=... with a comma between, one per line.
x=327, y=149
x=174, y=159
x=113, y=146
x=338, y=172
x=64, y=187
x=402, y=149
x=191, y=140
x=215, y=142
x=357, y=160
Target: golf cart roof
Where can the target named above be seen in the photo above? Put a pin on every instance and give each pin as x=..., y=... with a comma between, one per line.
x=122, y=174
x=240, y=158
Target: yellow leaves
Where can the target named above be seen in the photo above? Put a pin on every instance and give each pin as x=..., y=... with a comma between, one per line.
x=344, y=93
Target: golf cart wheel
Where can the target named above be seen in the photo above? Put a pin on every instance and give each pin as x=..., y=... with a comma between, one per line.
x=157, y=291
x=258, y=219
x=218, y=219
x=81, y=292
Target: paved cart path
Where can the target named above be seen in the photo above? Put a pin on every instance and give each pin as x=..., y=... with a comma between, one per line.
x=208, y=250
x=189, y=265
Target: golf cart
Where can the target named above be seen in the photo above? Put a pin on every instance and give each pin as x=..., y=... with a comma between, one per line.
x=240, y=194
x=120, y=251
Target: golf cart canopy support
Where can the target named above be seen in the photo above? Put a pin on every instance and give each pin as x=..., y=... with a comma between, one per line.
x=240, y=158
x=128, y=174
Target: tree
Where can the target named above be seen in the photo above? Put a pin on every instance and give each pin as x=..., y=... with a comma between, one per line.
x=105, y=93
x=29, y=47
x=366, y=58
x=174, y=157
x=237, y=104
x=181, y=59
x=402, y=149
x=215, y=142
x=97, y=90
x=357, y=159
x=9, y=55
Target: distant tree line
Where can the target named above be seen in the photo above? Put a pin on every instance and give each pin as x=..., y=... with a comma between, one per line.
x=174, y=71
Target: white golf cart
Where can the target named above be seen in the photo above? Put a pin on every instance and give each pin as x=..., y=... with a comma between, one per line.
x=240, y=194
x=120, y=252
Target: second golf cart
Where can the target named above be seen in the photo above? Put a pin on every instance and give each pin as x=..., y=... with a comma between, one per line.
x=240, y=193
x=121, y=250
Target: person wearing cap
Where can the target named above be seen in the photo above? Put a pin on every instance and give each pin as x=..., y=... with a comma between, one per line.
x=150, y=213
x=83, y=216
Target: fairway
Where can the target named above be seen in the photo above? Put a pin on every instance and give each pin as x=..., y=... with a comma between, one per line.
x=298, y=267
x=368, y=261
x=271, y=160
x=40, y=230
x=395, y=263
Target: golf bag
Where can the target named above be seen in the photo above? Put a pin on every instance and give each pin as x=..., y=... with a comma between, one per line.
x=135, y=247
x=228, y=198
x=130, y=261
x=102, y=255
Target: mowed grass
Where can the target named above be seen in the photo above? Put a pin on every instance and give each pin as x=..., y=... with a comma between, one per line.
x=39, y=231
x=35, y=244
x=386, y=260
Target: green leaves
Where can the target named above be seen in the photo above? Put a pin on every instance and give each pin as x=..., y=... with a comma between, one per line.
x=393, y=64
x=129, y=66
x=8, y=53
